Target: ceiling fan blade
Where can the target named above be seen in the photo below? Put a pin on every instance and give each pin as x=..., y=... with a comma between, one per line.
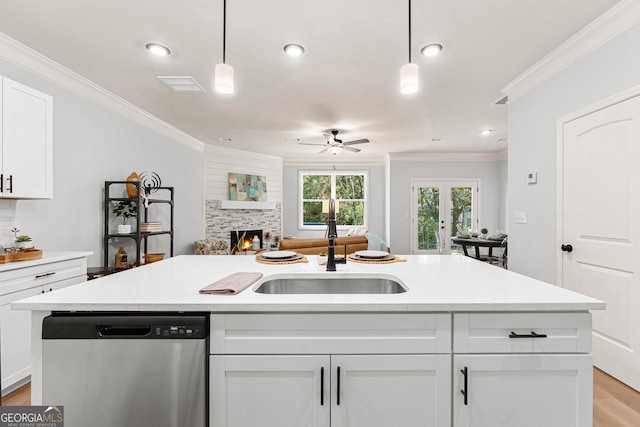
x=324, y=151
x=354, y=150
x=312, y=143
x=357, y=141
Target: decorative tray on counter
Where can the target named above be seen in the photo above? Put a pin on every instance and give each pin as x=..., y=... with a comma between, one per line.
x=21, y=255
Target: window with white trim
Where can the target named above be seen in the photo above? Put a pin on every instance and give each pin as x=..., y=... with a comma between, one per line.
x=349, y=189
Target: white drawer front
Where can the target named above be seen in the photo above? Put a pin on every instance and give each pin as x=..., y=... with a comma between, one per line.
x=368, y=333
x=522, y=333
x=40, y=275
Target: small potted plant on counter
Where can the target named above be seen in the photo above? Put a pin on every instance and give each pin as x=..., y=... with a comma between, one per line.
x=23, y=241
x=126, y=210
x=484, y=232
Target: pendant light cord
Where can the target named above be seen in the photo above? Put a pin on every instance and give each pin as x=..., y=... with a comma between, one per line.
x=224, y=32
x=409, y=31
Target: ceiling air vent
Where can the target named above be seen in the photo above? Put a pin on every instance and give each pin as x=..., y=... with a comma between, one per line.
x=181, y=83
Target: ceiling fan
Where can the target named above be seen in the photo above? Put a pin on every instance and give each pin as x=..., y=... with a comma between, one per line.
x=335, y=145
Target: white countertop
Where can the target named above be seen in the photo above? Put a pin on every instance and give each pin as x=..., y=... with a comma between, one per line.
x=47, y=257
x=435, y=283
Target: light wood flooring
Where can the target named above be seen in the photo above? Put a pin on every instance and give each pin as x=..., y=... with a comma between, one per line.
x=614, y=403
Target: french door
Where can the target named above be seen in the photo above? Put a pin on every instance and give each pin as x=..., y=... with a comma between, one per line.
x=441, y=209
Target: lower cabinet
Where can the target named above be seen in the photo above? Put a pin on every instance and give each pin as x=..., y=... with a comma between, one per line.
x=15, y=325
x=407, y=370
x=330, y=390
x=517, y=390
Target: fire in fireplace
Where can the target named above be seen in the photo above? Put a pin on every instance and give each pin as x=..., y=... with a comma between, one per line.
x=236, y=235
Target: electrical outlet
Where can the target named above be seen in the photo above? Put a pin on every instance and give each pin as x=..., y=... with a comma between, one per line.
x=521, y=218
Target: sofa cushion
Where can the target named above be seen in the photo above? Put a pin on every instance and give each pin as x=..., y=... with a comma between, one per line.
x=316, y=245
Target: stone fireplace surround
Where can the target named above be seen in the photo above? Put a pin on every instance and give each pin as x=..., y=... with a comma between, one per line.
x=220, y=222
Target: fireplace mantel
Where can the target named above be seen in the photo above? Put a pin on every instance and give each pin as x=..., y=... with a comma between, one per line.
x=233, y=204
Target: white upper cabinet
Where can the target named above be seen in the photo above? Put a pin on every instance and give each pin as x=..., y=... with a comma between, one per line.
x=26, y=166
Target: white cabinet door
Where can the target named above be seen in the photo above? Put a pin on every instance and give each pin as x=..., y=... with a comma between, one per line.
x=27, y=142
x=269, y=391
x=15, y=338
x=522, y=390
x=391, y=390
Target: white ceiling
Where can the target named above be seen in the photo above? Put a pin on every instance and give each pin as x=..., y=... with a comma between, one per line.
x=348, y=78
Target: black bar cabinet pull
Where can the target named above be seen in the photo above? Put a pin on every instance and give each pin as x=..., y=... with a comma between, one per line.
x=322, y=386
x=10, y=189
x=531, y=335
x=45, y=274
x=464, y=391
x=338, y=392
x=1, y=182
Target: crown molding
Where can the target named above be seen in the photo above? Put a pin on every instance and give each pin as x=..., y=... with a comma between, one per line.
x=449, y=157
x=247, y=156
x=30, y=60
x=607, y=26
x=335, y=160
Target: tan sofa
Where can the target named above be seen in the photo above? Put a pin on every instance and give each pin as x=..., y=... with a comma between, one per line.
x=317, y=245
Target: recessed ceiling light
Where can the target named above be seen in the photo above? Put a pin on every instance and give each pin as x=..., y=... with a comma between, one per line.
x=294, y=49
x=486, y=132
x=431, y=49
x=158, y=49
x=436, y=139
x=503, y=140
x=225, y=139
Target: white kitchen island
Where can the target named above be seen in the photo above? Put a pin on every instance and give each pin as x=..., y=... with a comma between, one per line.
x=467, y=344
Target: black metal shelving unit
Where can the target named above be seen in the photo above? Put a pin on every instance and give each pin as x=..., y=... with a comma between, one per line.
x=139, y=238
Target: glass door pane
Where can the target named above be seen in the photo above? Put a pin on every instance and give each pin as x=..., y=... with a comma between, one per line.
x=428, y=217
x=461, y=209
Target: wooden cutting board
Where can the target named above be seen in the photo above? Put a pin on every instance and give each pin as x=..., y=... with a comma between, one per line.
x=23, y=255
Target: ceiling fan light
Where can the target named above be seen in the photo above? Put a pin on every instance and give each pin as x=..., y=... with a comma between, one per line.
x=409, y=78
x=294, y=50
x=223, y=80
x=335, y=149
x=431, y=49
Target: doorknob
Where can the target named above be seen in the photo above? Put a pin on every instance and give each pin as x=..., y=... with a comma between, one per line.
x=566, y=248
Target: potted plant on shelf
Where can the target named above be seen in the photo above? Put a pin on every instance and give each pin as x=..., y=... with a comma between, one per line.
x=126, y=210
x=484, y=232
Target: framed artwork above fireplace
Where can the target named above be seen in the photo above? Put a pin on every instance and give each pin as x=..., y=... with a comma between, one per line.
x=244, y=187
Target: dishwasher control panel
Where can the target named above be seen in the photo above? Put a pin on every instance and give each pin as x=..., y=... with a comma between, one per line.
x=178, y=331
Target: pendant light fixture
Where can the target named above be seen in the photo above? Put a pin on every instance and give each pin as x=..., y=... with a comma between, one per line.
x=223, y=79
x=409, y=76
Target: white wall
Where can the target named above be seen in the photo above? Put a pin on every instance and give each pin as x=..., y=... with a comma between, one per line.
x=403, y=171
x=290, y=197
x=610, y=69
x=92, y=144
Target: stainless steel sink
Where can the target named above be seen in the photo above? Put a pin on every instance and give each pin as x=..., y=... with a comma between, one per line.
x=329, y=285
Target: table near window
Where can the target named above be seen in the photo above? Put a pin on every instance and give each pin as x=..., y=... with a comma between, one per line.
x=477, y=243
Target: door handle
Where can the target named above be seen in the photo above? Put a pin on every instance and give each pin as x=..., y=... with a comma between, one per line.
x=338, y=388
x=566, y=248
x=322, y=386
x=464, y=391
x=10, y=189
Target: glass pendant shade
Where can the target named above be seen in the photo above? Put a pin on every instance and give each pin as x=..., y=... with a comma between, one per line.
x=409, y=78
x=223, y=80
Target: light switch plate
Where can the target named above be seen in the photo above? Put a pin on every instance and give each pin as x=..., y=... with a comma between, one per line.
x=532, y=177
x=521, y=218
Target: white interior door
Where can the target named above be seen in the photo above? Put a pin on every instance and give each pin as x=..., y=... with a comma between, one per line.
x=600, y=179
x=442, y=206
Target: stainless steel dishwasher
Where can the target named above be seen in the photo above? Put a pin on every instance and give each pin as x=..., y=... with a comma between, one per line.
x=126, y=370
